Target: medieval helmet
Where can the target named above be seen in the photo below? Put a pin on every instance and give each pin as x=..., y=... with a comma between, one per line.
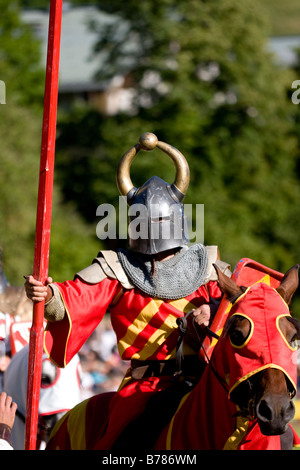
x=157, y=221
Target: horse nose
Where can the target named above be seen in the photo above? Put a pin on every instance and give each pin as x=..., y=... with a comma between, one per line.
x=273, y=415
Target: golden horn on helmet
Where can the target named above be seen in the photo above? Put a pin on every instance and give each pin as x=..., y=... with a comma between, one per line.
x=149, y=141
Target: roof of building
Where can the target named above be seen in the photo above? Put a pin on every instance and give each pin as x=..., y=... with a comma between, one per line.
x=78, y=65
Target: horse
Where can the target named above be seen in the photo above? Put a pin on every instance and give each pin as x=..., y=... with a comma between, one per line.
x=59, y=392
x=244, y=398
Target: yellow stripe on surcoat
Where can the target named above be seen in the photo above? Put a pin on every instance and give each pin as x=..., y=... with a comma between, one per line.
x=160, y=335
x=138, y=325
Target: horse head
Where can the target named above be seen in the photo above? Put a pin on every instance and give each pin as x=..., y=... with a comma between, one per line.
x=260, y=340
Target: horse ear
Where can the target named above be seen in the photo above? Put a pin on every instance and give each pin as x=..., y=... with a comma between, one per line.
x=289, y=284
x=227, y=285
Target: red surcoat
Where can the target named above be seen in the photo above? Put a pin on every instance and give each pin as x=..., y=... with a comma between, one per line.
x=145, y=328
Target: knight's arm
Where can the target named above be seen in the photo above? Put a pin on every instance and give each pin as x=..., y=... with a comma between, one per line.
x=73, y=312
x=75, y=308
x=106, y=265
x=54, y=307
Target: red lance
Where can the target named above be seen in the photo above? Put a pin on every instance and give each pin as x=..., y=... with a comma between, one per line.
x=43, y=221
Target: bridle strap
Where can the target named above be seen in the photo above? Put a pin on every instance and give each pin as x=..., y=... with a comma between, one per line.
x=217, y=375
x=183, y=329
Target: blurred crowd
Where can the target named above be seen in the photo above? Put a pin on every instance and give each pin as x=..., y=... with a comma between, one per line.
x=101, y=366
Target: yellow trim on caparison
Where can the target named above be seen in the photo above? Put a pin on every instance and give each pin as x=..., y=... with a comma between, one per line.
x=279, y=329
x=238, y=435
x=76, y=426
x=266, y=366
x=241, y=296
x=250, y=334
x=282, y=299
x=170, y=429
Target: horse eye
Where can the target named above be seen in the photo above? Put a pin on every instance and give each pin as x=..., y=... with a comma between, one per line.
x=237, y=337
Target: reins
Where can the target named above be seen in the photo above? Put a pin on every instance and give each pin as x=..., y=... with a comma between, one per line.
x=183, y=329
x=250, y=412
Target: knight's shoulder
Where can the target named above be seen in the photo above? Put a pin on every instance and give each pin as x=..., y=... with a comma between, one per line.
x=105, y=265
x=215, y=258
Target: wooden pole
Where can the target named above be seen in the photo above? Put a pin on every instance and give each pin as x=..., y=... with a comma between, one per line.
x=43, y=221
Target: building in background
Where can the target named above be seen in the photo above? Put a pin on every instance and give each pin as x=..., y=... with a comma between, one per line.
x=78, y=64
x=78, y=67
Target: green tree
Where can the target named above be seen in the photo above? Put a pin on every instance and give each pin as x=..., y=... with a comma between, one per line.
x=19, y=58
x=202, y=80
x=73, y=243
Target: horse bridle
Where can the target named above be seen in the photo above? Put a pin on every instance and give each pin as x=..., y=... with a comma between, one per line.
x=250, y=411
x=183, y=329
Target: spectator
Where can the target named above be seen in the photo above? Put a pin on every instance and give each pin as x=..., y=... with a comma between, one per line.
x=8, y=410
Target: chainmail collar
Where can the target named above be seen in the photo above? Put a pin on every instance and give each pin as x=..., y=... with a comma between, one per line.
x=174, y=278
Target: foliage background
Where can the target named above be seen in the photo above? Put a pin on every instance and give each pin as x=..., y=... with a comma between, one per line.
x=219, y=97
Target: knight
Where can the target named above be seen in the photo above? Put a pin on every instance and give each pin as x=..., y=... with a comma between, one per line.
x=147, y=288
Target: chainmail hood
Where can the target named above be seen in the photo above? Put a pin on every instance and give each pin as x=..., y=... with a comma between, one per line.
x=174, y=278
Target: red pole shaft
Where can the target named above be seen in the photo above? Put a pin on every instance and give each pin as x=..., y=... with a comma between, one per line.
x=43, y=221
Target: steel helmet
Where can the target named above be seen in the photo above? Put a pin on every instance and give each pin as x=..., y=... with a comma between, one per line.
x=157, y=221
